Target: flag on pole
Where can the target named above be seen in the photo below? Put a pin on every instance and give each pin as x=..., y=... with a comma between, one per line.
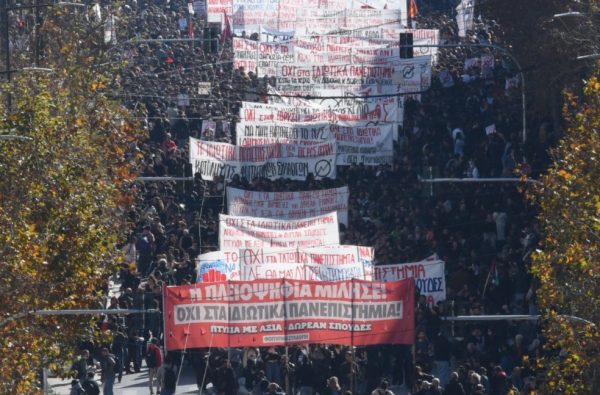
x=227, y=32
x=465, y=13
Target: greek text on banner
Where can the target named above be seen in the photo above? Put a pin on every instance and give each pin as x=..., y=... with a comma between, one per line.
x=428, y=275
x=251, y=232
x=288, y=205
x=280, y=312
x=292, y=161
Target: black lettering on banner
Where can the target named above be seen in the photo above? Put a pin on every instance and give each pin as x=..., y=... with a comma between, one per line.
x=323, y=168
x=408, y=72
x=429, y=285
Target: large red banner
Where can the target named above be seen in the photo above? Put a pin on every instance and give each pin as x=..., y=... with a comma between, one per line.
x=280, y=312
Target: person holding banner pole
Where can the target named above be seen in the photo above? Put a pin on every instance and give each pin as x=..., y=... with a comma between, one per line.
x=286, y=371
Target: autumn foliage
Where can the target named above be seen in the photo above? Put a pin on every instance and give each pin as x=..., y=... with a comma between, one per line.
x=567, y=266
x=63, y=196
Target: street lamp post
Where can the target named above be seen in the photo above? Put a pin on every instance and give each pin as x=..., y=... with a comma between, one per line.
x=4, y=137
x=5, y=39
x=505, y=52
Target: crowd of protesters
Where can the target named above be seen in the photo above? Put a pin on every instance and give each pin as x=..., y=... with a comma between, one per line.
x=484, y=232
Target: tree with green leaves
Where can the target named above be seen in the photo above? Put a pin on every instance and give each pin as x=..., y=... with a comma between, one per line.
x=567, y=264
x=63, y=195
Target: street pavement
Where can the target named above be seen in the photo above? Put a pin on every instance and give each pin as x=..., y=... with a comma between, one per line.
x=137, y=384
x=132, y=384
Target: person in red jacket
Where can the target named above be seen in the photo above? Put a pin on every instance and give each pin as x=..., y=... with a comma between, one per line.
x=154, y=361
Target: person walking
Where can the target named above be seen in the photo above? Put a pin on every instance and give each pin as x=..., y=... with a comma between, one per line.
x=167, y=376
x=154, y=361
x=108, y=366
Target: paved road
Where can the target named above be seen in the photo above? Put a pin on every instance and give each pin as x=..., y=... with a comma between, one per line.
x=137, y=384
x=133, y=384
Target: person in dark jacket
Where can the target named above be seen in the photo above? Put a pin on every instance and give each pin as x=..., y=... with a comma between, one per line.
x=108, y=367
x=225, y=381
x=90, y=386
x=454, y=387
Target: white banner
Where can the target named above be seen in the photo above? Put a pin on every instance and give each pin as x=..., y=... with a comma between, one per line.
x=386, y=36
x=333, y=263
x=465, y=14
x=288, y=205
x=216, y=9
x=292, y=161
x=262, y=58
x=404, y=76
x=252, y=232
x=301, y=271
x=377, y=109
x=291, y=16
x=365, y=143
x=260, y=133
x=361, y=144
x=311, y=21
x=428, y=274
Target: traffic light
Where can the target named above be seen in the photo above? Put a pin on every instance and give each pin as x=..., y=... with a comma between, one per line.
x=406, y=45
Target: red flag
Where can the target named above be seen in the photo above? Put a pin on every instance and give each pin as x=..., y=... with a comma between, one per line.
x=191, y=28
x=226, y=33
x=413, y=10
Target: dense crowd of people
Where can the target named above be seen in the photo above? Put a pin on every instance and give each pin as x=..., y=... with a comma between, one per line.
x=483, y=231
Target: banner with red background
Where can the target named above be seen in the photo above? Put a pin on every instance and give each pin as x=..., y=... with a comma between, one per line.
x=282, y=312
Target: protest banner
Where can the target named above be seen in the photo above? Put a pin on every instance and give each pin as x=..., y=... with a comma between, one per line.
x=328, y=255
x=292, y=161
x=381, y=36
x=204, y=88
x=250, y=15
x=428, y=274
x=253, y=232
x=264, y=58
x=336, y=74
x=216, y=9
x=376, y=109
x=282, y=312
x=311, y=21
x=357, y=142
x=225, y=265
x=465, y=15
x=361, y=144
x=414, y=75
x=401, y=76
x=382, y=4
x=327, y=263
x=261, y=57
x=215, y=267
x=301, y=271
x=268, y=133
x=288, y=205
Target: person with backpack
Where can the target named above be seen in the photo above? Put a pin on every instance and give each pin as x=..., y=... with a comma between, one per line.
x=154, y=362
x=167, y=376
x=90, y=386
